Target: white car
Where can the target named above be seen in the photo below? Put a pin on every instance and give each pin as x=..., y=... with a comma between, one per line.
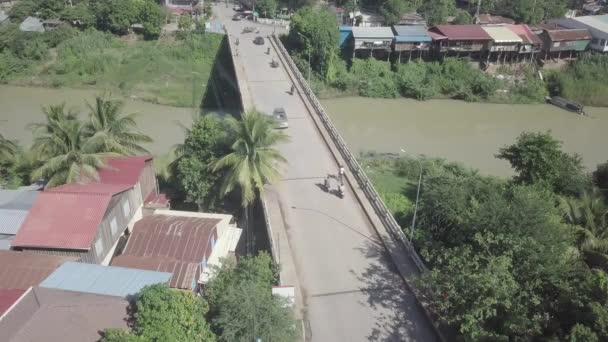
x=237, y=8
x=280, y=117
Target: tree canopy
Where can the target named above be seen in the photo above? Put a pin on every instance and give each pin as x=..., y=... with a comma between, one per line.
x=162, y=314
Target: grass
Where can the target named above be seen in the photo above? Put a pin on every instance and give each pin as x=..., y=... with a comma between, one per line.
x=169, y=72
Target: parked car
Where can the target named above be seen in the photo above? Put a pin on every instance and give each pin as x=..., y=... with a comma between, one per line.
x=280, y=117
x=237, y=8
x=237, y=17
x=258, y=40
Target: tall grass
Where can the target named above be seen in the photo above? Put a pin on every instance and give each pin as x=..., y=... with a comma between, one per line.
x=586, y=80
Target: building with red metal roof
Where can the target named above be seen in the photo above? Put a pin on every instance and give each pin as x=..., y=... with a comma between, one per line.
x=530, y=44
x=20, y=270
x=460, y=39
x=136, y=171
x=182, y=243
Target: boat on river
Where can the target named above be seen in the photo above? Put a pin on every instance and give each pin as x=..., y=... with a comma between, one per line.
x=566, y=104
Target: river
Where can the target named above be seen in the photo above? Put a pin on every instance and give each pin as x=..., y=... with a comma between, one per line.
x=460, y=131
x=20, y=106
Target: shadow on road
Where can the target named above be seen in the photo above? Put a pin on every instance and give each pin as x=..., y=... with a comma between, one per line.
x=399, y=317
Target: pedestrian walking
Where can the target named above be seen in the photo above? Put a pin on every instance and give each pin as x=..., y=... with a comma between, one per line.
x=326, y=183
x=342, y=188
x=292, y=89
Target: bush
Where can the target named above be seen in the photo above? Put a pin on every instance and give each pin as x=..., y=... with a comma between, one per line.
x=583, y=80
x=11, y=66
x=399, y=205
x=85, y=55
x=375, y=78
x=413, y=81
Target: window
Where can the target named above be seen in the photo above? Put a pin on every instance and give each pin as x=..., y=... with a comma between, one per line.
x=114, y=226
x=99, y=247
x=126, y=208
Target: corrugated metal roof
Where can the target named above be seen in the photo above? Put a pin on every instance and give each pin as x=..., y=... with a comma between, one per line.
x=462, y=32
x=379, y=32
x=31, y=24
x=411, y=33
x=123, y=170
x=488, y=19
x=63, y=220
x=165, y=242
x=598, y=22
x=45, y=314
x=20, y=270
x=567, y=34
x=91, y=188
x=17, y=199
x=183, y=274
x=603, y=18
x=501, y=34
x=11, y=220
x=8, y=297
x=105, y=280
x=526, y=35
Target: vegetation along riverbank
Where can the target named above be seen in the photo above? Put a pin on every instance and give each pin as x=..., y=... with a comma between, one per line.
x=99, y=52
x=335, y=74
x=511, y=257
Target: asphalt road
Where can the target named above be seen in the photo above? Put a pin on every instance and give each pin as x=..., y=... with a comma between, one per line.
x=351, y=290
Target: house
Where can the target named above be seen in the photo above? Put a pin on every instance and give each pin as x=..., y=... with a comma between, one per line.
x=372, y=41
x=505, y=43
x=186, y=244
x=596, y=24
x=560, y=41
x=81, y=220
x=20, y=270
x=411, y=39
x=460, y=39
x=103, y=280
x=530, y=43
x=14, y=207
x=43, y=314
x=412, y=18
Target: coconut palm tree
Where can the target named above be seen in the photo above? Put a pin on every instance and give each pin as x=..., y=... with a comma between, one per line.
x=67, y=155
x=253, y=161
x=8, y=148
x=113, y=131
x=589, y=217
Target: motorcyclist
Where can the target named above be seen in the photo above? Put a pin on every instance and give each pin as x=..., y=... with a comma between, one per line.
x=326, y=183
x=342, y=189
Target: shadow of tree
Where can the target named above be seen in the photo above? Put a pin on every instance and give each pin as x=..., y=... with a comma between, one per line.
x=400, y=318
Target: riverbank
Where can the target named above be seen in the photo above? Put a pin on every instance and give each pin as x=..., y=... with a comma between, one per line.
x=167, y=71
x=470, y=133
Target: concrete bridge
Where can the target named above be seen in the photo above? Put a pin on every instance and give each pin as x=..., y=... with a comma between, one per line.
x=347, y=257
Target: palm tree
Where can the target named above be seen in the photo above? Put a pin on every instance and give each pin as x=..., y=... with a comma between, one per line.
x=8, y=149
x=113, y=131
x=589, y=217
x=67, y=155
x=253, y=161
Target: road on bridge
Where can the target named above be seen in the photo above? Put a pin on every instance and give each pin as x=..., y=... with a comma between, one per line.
x=351, y=291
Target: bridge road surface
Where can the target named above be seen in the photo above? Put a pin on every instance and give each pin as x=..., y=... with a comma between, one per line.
x=351, y=290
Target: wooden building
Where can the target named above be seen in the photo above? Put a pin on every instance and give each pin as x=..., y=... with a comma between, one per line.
x=530, y=43
x=504, y=44
x=597, y=26
x=411, y=40
x=459, y=40
x=372, y=41
x=563, y=42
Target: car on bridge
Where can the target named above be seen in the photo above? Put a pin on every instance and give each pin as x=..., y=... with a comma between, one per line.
x=280, y=117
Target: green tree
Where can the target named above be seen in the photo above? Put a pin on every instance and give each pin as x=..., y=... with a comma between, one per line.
x=152, y=17
x=538, y=159
x=23, y=9
x=162, y=314
x=463, y=18
x=205, y=143
x=67, y=154
x=8, y=148
x=116, y=16
x=111, y=130
x=266, y=8
x=185, y=23
x=80, y=13
x=314, y=30
x=534, y=12
x=393, y=10
x=242, y=305
x=600, y=178
x=581, y=333
x=253, y=160
x=437, y=11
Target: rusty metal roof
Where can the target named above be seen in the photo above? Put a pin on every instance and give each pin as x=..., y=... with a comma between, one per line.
x=524, y=32
x=91, y=188
x=63, y=220
x=125, y=170
x=566, y=34
x=169, y=244
x=462, y=32
x=44, y=314
x=20, y=270
x=8, y=297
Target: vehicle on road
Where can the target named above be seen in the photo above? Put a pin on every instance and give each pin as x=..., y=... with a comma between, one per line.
x=248, y=29
x=237, y=8
x=237, y=17
x=259, y=40
x=280, y=117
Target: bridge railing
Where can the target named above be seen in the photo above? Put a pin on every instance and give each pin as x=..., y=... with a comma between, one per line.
x=366, y=185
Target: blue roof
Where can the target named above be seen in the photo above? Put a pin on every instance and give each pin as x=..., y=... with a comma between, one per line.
x=104, y=280
x=411, y=33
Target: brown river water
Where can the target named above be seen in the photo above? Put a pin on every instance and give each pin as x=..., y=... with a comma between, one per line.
x=467, y=132
x=20, y=106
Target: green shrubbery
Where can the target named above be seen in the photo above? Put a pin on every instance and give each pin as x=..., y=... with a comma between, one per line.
x=584, y=81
